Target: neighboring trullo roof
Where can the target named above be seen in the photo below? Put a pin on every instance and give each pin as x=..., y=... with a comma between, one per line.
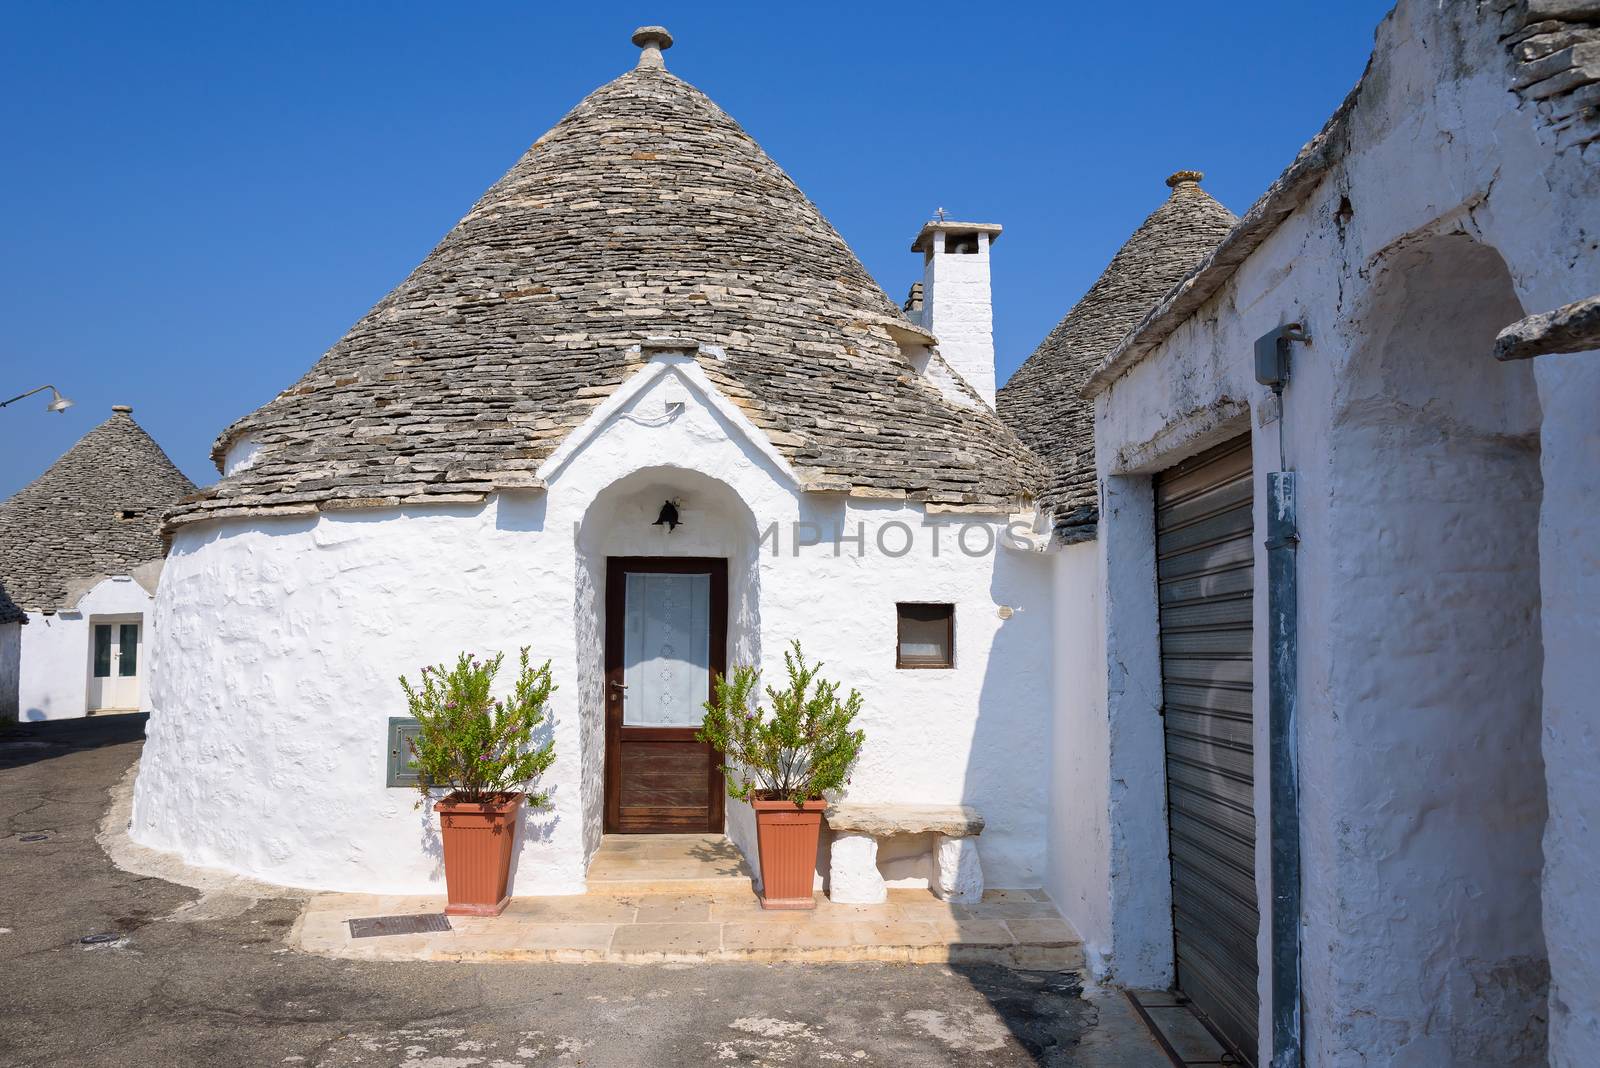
x=96, y=512
x=646, y=211
x=1041, y=402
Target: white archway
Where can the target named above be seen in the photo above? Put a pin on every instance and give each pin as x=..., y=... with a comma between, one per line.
x=620, y=521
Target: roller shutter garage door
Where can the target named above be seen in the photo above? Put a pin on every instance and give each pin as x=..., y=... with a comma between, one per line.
x=1204, y=559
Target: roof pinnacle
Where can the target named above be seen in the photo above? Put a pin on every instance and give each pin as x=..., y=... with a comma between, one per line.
x=1182, y=178
x=652, y=41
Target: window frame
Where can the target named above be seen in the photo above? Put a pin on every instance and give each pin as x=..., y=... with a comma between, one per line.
x=922, y=664
x=128, y=654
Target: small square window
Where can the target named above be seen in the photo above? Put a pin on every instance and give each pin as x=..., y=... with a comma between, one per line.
x=927, y=636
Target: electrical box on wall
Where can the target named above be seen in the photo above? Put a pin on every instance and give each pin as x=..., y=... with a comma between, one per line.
x=1272, y=354
x=401, y=730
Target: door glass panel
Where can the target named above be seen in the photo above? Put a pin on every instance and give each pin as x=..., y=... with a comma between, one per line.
x=666, y=649
x=128, y=663
x=102, y=650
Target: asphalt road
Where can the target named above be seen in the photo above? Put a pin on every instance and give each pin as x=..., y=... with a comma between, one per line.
x=173, y=984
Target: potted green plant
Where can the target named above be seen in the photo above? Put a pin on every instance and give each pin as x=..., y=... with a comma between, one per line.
x=481, y=749
x=782, y=763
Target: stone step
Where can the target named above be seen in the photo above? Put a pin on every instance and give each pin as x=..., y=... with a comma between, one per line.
x=668, y=864
x=1015, y=928
x=722, y=886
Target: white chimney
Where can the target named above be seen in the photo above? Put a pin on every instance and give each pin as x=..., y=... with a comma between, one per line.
x=956, y=306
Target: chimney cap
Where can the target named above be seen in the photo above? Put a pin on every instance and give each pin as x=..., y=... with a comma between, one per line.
x=924, y=241
x=125, y=409
x=1178, y=178
x=652, y=41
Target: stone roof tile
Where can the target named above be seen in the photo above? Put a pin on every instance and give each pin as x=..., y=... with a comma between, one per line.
x=95, y=512
x=1042, y=401
x=646, y=211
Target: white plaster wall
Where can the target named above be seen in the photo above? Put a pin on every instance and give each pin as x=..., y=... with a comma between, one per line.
x=1420, y=784
x=53, y=676
x=958, y=309
x=1079, y=854
x=1430, y=738
x=1569, y=562
x=10, y=664
x=279, y=644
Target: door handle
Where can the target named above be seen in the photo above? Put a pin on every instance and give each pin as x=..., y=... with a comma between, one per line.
x=619, y=685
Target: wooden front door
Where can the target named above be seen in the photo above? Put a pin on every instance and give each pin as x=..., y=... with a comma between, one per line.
x=666, y=635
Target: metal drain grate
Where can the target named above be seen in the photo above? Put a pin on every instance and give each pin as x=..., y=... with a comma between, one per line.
x=421, y=923
x=1187, y=1038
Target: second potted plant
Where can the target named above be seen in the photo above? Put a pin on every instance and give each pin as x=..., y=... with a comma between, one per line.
x=481, y=749
x=782, y=764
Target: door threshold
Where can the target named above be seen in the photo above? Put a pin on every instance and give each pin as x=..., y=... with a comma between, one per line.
x=668, y=863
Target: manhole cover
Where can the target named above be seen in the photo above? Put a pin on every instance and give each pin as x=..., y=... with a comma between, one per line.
x=372, y=926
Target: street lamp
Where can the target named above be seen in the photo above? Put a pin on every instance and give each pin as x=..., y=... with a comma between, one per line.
x=58, y=403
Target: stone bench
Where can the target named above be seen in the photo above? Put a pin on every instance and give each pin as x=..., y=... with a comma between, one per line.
x=853, y=876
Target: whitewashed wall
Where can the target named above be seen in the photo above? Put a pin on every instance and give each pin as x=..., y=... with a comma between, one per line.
x=1078, y=877
x=53, y=677
x=279, y=645
x=1569, y=564
x=1423, y=530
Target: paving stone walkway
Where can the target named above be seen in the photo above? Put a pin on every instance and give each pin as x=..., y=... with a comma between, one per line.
x=1018, y=928
x=204, y=974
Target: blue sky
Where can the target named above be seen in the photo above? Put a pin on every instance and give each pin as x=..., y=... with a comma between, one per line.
x=200, y=199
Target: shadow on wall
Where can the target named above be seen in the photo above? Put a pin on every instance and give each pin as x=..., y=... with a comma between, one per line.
x=1012, y=744
x=1424, y=779
x=1008, y=761
x=537, y=824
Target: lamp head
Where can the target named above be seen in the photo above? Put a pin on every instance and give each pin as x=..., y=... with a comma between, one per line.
x=58, y=403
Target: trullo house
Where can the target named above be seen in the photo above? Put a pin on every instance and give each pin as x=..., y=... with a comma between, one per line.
x=80, y=553
x=643, y=410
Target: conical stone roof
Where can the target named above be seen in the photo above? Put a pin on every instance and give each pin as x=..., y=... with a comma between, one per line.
x=1041, y=402
x=96, y=512
x=646, y=212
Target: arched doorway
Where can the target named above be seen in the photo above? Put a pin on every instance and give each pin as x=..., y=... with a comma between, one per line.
x=1422, y=767
x=661, y=605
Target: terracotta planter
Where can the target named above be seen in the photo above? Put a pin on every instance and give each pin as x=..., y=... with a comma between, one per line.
x=478, y=839
x=786, y=838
